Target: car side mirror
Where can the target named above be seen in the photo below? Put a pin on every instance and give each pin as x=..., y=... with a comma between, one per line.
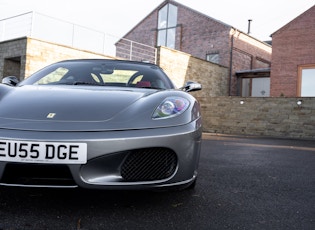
x=11, y=81
x=191, y=86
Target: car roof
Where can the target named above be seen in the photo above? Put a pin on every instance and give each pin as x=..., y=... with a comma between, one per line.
x=110, y=60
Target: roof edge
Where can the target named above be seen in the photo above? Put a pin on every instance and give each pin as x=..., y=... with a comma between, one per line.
x=287, y=24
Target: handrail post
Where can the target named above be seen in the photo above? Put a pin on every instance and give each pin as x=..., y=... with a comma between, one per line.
x=130, y=53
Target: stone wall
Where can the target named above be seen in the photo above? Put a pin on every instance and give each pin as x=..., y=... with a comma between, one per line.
x=268, y=116
x=30, y=55
x=275, y=117
x=42, y=53
x=12, y=50
x=182, y=67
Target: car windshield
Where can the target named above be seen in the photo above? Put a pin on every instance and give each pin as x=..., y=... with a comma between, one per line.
x=101, y=73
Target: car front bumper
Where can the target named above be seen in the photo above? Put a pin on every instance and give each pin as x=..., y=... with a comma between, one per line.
x=107, y=153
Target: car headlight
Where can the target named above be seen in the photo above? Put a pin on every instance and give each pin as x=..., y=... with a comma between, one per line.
x=170, y=107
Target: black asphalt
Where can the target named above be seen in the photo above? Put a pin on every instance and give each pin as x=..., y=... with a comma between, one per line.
x=244, y=183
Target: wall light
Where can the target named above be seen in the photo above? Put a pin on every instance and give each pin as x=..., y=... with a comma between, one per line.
x=299, y=102
x=242, y=102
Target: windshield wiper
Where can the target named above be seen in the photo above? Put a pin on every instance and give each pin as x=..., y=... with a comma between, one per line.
x=150, y=87
x=84, y=83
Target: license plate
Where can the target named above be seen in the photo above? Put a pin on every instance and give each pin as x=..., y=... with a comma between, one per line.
x=43, y=152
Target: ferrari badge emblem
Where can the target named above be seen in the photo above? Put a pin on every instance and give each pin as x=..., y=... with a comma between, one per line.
x=51, y=115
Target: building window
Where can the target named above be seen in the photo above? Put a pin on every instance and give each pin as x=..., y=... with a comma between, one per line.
x=255, y=87
x=213, y=57
x=167, y=23
x=306, y=86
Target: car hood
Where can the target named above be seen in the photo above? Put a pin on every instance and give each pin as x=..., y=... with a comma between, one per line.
x=79, y=108
x=65, y=104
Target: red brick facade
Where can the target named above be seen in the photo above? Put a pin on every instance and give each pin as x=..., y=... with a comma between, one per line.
x=198, y=34
x=293, y=47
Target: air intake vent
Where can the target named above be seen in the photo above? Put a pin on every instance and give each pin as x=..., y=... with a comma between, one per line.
x=149, y=164
x=37, y=174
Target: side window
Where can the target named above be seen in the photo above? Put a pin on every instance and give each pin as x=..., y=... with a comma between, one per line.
x=95, y=78
x=54, y=76
x=137, y=79
x=306, y=86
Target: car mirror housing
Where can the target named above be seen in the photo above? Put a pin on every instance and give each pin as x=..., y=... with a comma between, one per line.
x=191, y=86
x=11, y=81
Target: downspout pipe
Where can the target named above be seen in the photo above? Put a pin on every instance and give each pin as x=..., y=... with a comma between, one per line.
x=231, y=60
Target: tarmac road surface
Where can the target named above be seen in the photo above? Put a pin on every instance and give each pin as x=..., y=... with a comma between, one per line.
x=244, y=183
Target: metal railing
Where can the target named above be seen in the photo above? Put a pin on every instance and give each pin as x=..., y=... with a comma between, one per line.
x=135, y=51
x=36, y=25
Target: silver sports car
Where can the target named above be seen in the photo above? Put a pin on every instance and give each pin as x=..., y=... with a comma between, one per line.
x=105, y=124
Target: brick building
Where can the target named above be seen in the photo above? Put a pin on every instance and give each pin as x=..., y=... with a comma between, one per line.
x=293, y=57
x=179, y=27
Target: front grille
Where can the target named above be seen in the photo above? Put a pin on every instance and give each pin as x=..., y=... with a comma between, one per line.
x=149, y=164
x=37, y=174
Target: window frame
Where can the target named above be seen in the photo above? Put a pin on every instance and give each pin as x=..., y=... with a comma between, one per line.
x=215, y=55
x=300, y=76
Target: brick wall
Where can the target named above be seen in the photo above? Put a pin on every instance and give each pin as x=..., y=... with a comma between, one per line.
x=248, y=53
x=199, y=35
x=293, y=45
x=196, y=34
x=145, y=31
x=275, y=117
x=202, y=35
